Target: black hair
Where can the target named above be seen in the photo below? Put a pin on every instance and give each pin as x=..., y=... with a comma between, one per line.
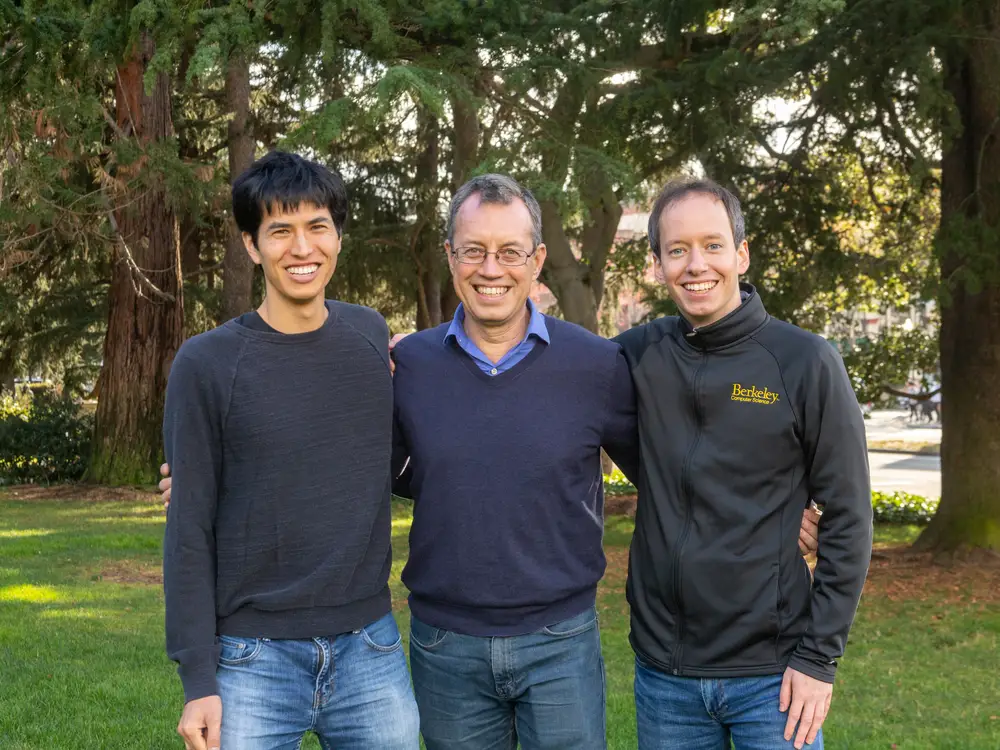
x=285, y=180
x=675, y=190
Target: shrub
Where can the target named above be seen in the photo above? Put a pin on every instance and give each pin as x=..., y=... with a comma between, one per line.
x=894, y=507
x=43, y=438
x=903, y=508
x=615, y=483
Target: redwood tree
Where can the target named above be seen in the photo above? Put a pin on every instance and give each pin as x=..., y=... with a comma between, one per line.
x=146, y=313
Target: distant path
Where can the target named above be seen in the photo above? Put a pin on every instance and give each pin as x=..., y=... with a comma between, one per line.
x=920, y=475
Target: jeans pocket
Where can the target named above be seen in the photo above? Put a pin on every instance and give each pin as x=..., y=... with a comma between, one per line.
x=237, y=651
x=573, y=626
x=382, y=635
x=426, y=636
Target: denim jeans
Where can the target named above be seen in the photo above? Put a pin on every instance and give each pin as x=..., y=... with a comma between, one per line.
x=693, y=713
x=352, y=690
x=545, y=689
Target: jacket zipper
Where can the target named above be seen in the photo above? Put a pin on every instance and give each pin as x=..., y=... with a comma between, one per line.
x=686, y=527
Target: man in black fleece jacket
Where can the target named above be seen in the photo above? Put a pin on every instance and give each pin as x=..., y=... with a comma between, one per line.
x=742, y=420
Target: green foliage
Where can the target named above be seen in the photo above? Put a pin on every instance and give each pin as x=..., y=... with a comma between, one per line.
x=891, y=358
x=889, y=508
x=43, y=439
x=903, y=508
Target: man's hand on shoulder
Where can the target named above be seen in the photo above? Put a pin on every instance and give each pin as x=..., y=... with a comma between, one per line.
x=808, y=531
x=164, y=485
x=807, y=701
x=201, y=724
x=392, y=345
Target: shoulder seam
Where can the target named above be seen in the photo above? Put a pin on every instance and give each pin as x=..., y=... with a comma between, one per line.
x=244, y=342
x=781, y=375
x=370, y=343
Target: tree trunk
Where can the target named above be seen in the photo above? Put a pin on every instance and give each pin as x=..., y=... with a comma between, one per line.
x=427, y=243
x=146, y=315
x=567, y=277
x=969, y=248
x=237, y=268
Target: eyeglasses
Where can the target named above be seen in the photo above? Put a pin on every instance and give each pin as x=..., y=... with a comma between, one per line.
x=506, y=256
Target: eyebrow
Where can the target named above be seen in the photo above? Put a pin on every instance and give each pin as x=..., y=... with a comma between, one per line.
x=712, y=236
x=285, y=225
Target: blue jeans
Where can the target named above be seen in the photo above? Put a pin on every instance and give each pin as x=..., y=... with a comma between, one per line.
x=352, y=690
x=545, y=689
x=692, y=713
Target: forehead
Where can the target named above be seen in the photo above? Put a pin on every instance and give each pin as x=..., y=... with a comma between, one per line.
x=291, y=214
x=497, y=222
x=693, y=215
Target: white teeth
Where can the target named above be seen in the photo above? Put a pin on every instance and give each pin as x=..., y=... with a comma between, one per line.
x=492, y=291
x=303, y=270
x=704, y=286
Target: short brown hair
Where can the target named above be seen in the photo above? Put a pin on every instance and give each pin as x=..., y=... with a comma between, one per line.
x=675, y=190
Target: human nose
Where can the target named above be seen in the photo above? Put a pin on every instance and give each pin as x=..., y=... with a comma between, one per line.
x=301, y=246
x=490, y=266
x=696, y=261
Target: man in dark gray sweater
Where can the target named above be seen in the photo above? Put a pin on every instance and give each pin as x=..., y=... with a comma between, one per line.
x=278, y=428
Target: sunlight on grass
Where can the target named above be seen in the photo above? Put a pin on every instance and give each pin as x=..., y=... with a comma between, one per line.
x=401, y=523
x=77, y=613
x=22, y=533
x=26, y=592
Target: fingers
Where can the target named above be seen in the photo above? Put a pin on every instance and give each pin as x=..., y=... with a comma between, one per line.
x=214, y=734
x=805, y=724
x=794, y=714
x=785, y=696
x=819, y=717
x=164, y=470
x=193, y=735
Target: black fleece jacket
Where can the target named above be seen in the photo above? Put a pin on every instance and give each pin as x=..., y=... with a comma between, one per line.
x=741, y=423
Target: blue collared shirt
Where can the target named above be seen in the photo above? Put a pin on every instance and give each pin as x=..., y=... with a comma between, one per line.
x=536, y=332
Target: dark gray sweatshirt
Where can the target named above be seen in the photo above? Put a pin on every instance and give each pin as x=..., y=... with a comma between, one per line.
x=279, y=523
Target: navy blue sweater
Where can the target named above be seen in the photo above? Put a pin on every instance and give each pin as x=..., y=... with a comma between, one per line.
x=279, y=524
x=505, y=472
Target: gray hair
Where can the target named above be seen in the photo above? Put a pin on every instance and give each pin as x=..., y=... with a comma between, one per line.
x=497, y=189
x=675, y=190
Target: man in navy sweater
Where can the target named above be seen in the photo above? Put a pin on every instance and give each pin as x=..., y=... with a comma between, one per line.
x=502, y=413
x=278, y=426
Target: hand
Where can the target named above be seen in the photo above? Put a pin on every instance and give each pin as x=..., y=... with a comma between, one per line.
x=392, y=345
x=164, y=485
x=201, y=724
x=808, y=531
x=807, y=701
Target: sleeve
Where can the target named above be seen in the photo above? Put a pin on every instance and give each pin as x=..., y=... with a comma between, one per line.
x=838, y=479
x=621, y=429
x=192, y=438
x=400, y=458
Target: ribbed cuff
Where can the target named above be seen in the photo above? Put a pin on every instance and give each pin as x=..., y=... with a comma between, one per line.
x=198, y=679
x=823, y=671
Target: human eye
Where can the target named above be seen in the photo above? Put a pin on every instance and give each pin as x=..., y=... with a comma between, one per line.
x=511, y=255
x=472, y=253
x=715, y=246
x=675, y=252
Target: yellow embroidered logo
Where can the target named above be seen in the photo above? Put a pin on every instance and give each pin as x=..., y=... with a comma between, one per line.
x=753, y=395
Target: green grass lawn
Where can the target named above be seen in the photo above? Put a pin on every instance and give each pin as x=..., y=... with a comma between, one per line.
x=82, y=662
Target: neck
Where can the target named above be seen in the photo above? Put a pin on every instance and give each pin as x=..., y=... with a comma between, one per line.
x=734, y=304
x=286, y=317
x=496, y=340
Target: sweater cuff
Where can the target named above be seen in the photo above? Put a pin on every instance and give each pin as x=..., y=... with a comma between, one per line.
x=198, y=678
x=822, y=670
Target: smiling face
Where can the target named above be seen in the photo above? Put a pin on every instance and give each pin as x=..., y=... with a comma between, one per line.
x=297, y=251
x=494, y=294
x=698, y=260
